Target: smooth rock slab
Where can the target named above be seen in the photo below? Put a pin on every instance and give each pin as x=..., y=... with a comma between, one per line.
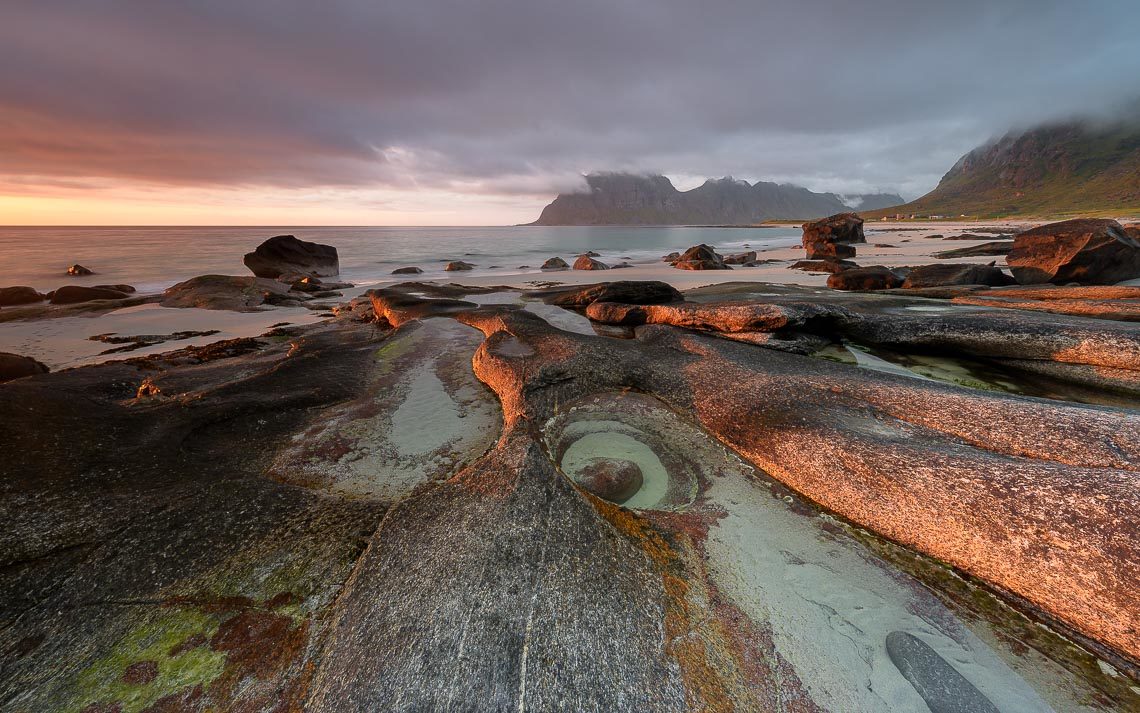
x=940, y=685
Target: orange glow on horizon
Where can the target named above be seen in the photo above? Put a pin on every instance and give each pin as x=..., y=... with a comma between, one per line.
x=129, y=205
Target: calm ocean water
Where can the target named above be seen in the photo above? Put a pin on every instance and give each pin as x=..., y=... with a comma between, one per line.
x=153, y=258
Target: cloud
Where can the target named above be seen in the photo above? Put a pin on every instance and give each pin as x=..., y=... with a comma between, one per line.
x=521, y=98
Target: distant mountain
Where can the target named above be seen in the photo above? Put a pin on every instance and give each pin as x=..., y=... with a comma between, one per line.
x=1053, y=170
x=627, y=199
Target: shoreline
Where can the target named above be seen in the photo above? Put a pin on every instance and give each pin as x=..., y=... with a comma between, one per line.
x=61, y=336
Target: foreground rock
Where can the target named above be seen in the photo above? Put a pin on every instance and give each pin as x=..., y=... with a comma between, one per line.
x=955, y=274
x=644, y=292
x=16, y=366
x=875, y=277
x=1114, y=303
x=345, y=520
x=586, y=262
x=833, y=237
x=700, y=257
x=14, y=296
x=225, y=292
x=284, y=254
x=1085, y=251
x=74, y=294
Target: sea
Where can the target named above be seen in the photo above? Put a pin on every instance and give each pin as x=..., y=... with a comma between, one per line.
x=154, y=258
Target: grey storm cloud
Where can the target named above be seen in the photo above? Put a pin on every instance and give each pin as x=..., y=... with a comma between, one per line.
x=522, y=97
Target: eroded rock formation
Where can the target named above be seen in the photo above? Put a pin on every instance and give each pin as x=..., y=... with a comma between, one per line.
x=344, y=517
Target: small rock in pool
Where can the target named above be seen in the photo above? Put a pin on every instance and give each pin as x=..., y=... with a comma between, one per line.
x=611, y=479
x=940, y=685
x=458, y=265
x=78, y=270
x=412, y=270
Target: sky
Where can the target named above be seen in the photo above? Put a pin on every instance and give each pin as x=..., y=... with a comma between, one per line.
x=477, y=112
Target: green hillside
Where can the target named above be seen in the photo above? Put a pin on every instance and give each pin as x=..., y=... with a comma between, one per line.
x=1056, y=170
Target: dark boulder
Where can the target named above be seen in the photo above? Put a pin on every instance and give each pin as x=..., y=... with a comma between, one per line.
x=741, y=258
x=833, y=236
x=1085, y=251
x=992, y=249
x=700, y=257
x=284, y=254
x=671, y=257
x=611, y=479
x=585, y=262
x=555, y=263
x=648, y=292
x=78, y=270
x=458, y=266
x=839, y=228
x=412, y=270
x=821, y=250
x=74, y=294
x=127, y=289
x=875, y=277
x=15, y=366
x=20, y=295
x=829, y=265
x=944, y=274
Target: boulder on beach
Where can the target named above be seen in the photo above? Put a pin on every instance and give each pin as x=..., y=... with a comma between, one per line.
x=285, y=253
x=74, y=294
x=585, y=262
x=671, y=257
x=833, y=237
x=740, y=258
x=19, y=295
x=634, y=292
x=78, y=270
x=821, y=250
x=555, y=263
x=410, y=270
x=875, y=277
x=127, y=289
x=1086, y=251
x=225, y=292
x=457, y=266
x=829, y=265
x=17, y=366
x=700, y=257
x=943, y=274
x=991, y=249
